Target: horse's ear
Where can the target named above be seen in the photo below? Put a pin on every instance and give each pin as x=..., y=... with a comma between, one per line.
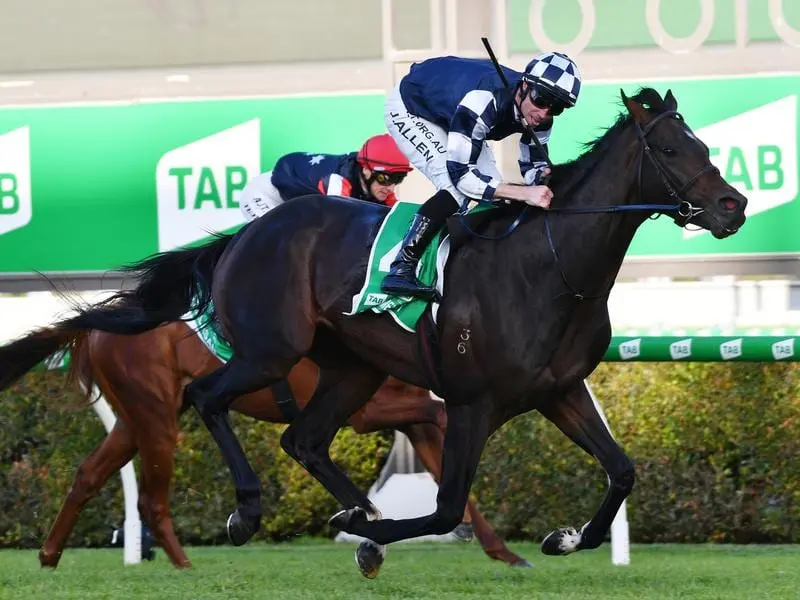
x=671, y=101
x=636, y=110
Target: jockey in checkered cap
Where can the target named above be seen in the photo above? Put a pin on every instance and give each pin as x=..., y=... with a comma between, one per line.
x=443, y=113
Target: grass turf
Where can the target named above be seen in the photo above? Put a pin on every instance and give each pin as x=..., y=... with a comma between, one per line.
x=326, y=570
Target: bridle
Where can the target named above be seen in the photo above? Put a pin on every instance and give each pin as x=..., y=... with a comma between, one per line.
x=685, y=210
x=681, y=210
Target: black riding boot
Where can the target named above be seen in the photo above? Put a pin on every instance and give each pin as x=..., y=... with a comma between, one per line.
x=402, y=278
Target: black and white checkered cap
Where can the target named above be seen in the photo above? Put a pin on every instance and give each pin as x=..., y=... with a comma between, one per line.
x=557, y=73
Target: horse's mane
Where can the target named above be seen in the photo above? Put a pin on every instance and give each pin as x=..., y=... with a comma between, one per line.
x=571, y=173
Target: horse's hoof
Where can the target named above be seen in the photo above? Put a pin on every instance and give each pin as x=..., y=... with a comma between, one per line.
x=464, y=532
x=47, y=560
x=561, y=542
x=525, y=564
x=239, y=530
x=344, y=519
x=369, y=558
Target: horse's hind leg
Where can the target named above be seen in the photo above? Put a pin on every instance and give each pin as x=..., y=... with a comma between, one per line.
x=109, y=457
x=577, y=416
x=271, y=328
x=157, y=440
x=212, y=396
x=157, y=464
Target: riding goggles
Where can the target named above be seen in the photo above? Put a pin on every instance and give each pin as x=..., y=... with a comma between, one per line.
x=544, y=101
x=388, y=178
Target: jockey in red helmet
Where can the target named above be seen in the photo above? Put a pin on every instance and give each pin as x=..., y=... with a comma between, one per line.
x=370, y=174
x=383, y=166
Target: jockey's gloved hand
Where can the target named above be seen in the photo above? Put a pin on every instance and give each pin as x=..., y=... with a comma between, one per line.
x=538, y=175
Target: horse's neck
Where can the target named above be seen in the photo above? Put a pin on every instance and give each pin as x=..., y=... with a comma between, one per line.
x=591, y=247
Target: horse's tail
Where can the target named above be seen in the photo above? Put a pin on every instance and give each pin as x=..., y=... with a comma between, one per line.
x=22, y=355
x=171, y=284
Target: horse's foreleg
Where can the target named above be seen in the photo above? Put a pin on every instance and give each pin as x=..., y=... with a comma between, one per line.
x=577, y=416
x=428, y=440
x=109, y=457
x=468, y=428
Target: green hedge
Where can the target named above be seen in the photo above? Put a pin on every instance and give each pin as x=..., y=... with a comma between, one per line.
x=43, y=440
x=715, y=448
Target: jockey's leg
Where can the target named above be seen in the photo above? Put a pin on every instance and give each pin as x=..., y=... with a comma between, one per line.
x=425, y=145
x=429, y=220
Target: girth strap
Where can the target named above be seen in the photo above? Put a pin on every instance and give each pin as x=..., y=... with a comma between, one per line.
x=430, y=351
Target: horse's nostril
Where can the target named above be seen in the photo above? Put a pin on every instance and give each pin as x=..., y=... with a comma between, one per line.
x=729, y=204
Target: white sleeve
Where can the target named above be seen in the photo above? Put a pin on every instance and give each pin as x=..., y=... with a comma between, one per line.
x=259, y=196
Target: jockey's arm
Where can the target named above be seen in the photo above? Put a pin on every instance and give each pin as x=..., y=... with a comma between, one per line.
x=533, y=167
x=473, y=118
x=532, y=162
x=258, y=196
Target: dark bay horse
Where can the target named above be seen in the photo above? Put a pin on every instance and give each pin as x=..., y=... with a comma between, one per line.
x=143, y=378
x=523, y=320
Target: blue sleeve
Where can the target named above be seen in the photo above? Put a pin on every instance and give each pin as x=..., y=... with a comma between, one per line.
x=474, y=117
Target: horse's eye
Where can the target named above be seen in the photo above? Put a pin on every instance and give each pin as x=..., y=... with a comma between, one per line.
x=668, y=151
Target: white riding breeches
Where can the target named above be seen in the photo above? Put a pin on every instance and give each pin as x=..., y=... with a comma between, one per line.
x=425, y=145
x=259, y=196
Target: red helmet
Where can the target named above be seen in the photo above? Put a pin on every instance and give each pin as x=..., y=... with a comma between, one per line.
x=380, y=153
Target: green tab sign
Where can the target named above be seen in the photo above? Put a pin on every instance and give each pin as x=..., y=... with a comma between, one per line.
x=15, y=180
x=93, y=187
x=89, y=188
x=750, y=125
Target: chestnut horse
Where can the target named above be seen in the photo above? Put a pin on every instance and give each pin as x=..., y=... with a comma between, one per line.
x=143, y=378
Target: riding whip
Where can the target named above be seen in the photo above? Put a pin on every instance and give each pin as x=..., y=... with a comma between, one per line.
x=503, y=78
